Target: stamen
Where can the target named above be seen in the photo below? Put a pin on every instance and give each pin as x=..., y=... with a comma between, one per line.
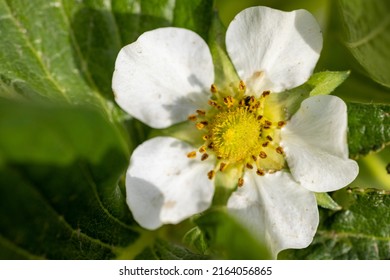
x=201, y=112
x=240, y=182
x=213, y=88
x=241, y=86
x=200, y=125
x=204, y=157
x=254, y=157
x=268, y=123
x=191, y=154
x=265, y=144
x=202, y=149
x=259, y=117
x=263, y=154
x=279, y=150
x=212, y=103
x=281, y=124
x=249, y=166
x=211, y=174
x=222, y=166
x=205, y=137
x=266, y=93
x=260, y=172
x=192, y=117
x=229, y=101
x=269, y=138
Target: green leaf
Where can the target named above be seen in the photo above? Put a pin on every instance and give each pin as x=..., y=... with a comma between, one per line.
x=59, y=192
x=196, y=239
x=361, y=231
x=162, y=250
x=326, y=201
x=225, y=72
x=65, y=51
x=319, y=83
x=366, y=26
x=195, y=15
x=229, y=238
x=327, y=81
x=369, y=128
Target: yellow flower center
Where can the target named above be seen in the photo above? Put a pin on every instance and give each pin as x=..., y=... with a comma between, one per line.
x=240, y=131
x=235, y=134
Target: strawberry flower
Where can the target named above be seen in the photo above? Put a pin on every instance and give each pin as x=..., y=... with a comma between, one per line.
x=277, y=161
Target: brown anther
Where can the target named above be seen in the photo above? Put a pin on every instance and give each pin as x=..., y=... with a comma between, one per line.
x=269, y=138
x=201, y=112
x=265, y=144
x=213, y=88
x=211, y=174
x=205, y=137
x=191, y=154
x=247, y=100
x=202, y=149
x=266, y=127
x=211, y=145
x=204, y=123
x=279, y=150
x=249, y=166
x=242, y=102
x=262, y=154
x=254, y=157
x=266, y=93
x=212, y=103
x=281, y=123
x=222, y=166
x=242, y=86
x=240, y=182
x=200, y=125
x=192, y=118
x=259, y=117
x=260, y=172
x=268, y=123
x=204, y=156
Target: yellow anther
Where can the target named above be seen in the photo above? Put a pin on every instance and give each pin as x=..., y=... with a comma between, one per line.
x=191, y=154
x=200, y=125
x=229, y=101
x=242, y=86
x=213, y=88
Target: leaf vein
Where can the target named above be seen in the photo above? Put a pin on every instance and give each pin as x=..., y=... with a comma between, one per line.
x=29, y=44
x=372, y=34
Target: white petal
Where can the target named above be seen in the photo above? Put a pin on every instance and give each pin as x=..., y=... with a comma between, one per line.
x=277, y=210
x=163, y=186
x=274, y=50
x=163, y=77
x=315, y=143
